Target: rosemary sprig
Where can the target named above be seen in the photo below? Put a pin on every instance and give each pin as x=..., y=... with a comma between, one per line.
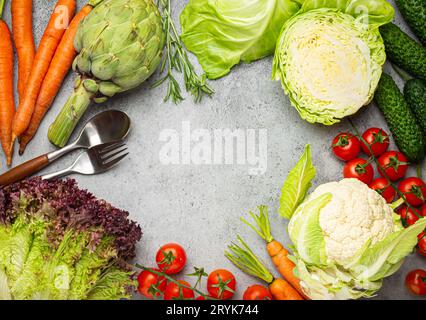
x=177, y=60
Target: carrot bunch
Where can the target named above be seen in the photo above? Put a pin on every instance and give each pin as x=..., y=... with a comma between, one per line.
x=40, y=73
x=276, y=250
x=7, y=104
x=244, y=258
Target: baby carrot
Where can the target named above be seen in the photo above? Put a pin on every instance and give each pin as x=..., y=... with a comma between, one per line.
x=58, y=69
x=276, y=250
x=52, y=36
x=22, y=29
x=7, y=104
x=244, y=258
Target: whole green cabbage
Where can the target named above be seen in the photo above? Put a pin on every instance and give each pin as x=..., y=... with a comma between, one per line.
x=329, y=57
x=222, y=33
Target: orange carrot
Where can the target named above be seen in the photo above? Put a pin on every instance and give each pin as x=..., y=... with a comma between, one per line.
x=58, y=69
x=22, y=29
x=276, y=250
x=282, y=290
x=7, y=104
x=63, y=11
x=244, y=258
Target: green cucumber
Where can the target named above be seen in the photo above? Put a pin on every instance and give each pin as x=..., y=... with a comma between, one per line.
x=404, y=51
x=414, y=13
x=401, y=120
x=415, y=95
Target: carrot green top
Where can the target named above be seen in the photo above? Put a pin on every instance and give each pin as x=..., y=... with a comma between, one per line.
x=2, y=3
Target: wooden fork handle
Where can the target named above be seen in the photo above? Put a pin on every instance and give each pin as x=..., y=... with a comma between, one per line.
x=24, y=170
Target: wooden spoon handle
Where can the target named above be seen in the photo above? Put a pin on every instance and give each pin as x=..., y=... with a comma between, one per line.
x=24, y=170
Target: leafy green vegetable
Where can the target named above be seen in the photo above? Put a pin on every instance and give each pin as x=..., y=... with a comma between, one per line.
x=307, y=232
x=329, y=57
x=222, y=33
x=297, y=184
x=60, y=242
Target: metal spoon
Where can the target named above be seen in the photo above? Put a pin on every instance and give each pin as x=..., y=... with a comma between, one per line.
x=105, y=127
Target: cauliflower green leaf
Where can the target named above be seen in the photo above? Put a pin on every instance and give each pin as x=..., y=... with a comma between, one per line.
x=297, y=184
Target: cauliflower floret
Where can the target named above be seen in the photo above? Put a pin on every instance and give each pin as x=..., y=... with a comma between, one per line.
x=355, y=214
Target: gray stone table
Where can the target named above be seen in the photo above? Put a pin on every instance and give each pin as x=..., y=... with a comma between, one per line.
x=199, y=206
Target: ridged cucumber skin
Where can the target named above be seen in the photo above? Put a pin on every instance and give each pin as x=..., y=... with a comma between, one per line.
x=401, y=120
x=404, y=51
x=415, y=95
x=414, y=13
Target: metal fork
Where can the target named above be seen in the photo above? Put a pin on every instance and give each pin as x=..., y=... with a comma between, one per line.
x=94, y=160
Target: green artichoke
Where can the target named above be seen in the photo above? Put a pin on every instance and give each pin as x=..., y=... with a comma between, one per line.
x=119, y=45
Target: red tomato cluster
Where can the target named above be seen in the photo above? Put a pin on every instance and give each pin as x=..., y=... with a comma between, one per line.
x=392, y=167
x=171, y=260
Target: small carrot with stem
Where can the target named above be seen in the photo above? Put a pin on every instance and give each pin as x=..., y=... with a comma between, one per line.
x=7, y=103
x=276, y=250
x=58, y=69
x=64, y=10
x=244, y=258
x=22, y=30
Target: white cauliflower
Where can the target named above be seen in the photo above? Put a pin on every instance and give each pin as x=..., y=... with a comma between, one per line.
x=354, y=215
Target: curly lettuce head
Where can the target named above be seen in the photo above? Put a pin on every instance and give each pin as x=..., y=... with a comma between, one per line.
x=329, y=63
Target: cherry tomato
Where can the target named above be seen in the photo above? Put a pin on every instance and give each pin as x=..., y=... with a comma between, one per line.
x=408, y=216
x=382, y=186
x=423, y=210
x=395, y=165
x=174, y=292
x=200, y=298
x=257, y=292
x=346, y=146
x=421, y=244
x=171, y=258
x=414, y=190
x=147, y=280
x=415, y=282
x=359, y=169
x=221, y=284
x=377, y=139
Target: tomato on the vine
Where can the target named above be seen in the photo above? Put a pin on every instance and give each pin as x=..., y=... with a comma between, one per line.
x=257, y=292
x=359, y=169
x=416, y=281
x=151, y=284
x=414, y=190
x=378, y=141
x=394, y=164
x=408, y=216
x=176, y=292
x=221, y=284
x=383, y=187
x=346, y=146
x=421, y=244
x=422, y=210
x=171, y=258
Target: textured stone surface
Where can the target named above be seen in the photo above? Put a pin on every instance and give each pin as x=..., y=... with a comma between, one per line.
x=200, y=206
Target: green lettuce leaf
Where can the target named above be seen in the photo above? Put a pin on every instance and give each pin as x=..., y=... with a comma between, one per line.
x=221, y=33
x=297, y=184
x=112, y=286
x=386, y=256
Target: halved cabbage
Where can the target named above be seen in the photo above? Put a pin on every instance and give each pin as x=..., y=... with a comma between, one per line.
x=329, y=63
